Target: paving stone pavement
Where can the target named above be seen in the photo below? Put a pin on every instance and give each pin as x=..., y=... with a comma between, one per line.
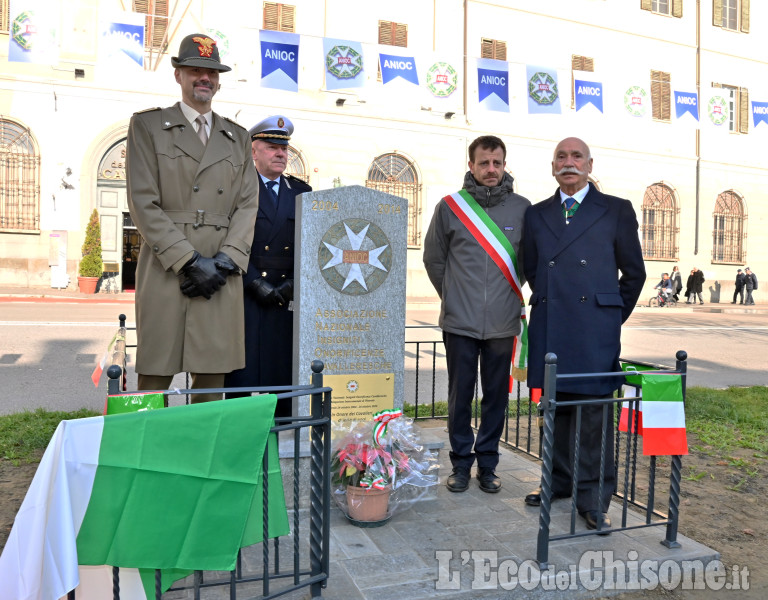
x=478, y=545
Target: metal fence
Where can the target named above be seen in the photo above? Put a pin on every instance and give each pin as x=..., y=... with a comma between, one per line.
x=288, y=563
x=627, y=491
x=524, y=431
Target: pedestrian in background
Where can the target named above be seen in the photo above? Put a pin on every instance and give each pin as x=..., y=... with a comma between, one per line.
x=750, y=284
x=738, y=289
x=677, y=282
x=694, y=286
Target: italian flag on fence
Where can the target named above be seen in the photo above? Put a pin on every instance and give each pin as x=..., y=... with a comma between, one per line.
x=176, y=489
x=661, y=421
x=499, y=248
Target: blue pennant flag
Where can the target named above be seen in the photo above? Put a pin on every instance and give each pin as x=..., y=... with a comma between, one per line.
x=759, y=113
x=398, y=66
x=588, y=92
x=543, y=93
x=493, y=84
x=280, y=60
x=686, y=102
x=123, y=38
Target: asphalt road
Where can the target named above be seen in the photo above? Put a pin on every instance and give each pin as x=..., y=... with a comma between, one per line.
x=48, y=349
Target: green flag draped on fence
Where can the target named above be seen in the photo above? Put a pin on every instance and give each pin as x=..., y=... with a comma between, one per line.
x=176, y=489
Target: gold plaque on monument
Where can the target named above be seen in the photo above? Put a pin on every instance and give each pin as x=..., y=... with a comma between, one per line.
x=357, y=396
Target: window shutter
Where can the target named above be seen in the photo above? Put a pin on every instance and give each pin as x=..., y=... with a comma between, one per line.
x=401, y=35
x=745, y=16
x=159, y=24
x=287, y=17
x=270, y=16
x=486, y=48
x=666, y=101
x=743, y=110
x=646, y=4
x=717, y=13
x=5, y=16
x=393, y=34
x=677, y=8
x=656, y=98
x=385, y=32
x=582, y=63
x=660, y=95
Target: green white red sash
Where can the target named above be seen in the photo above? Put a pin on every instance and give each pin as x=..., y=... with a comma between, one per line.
x=499, y=248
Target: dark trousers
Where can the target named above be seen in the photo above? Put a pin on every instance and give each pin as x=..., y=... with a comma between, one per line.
x=749, y=299
x=589, y=452
x=461, y=355
x=740, y=293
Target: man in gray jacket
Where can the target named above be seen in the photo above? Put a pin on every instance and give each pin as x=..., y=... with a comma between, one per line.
x=471, y=253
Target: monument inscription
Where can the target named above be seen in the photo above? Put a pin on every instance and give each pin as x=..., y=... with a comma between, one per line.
x=349, y=307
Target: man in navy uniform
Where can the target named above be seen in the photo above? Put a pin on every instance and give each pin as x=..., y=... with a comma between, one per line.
x=586, y=272
x=268, y=283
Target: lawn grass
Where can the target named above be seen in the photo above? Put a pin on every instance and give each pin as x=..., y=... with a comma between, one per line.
x=722, y=420
x=25, y=435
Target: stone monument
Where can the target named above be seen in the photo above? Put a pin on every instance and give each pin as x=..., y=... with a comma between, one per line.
x=349, y=297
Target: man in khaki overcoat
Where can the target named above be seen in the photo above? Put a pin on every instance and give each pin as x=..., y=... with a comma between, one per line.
x=193, y=195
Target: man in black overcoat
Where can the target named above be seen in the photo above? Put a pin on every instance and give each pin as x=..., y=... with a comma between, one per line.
x=584, y=264
x=268, y=283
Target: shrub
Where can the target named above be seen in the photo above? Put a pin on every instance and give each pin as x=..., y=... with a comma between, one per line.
x=91, y=264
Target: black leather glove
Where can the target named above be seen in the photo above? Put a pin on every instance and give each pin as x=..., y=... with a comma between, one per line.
x=265, y=293
x=286, y=290
x=225, y=264
x=201, y=277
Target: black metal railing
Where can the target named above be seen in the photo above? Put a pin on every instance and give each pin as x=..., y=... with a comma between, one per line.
x=308, y=556
x=628, y=490
x=524, y=431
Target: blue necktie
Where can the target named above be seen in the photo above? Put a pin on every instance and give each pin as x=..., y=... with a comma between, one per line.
x=271, y=185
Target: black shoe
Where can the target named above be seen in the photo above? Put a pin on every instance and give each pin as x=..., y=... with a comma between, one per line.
x=534, y=498
x=734, y=302
x=590, y=516
x=458, y=480
x=701, y=303
x=489, y=482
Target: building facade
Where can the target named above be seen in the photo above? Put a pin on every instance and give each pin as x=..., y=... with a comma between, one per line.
x=697, y=185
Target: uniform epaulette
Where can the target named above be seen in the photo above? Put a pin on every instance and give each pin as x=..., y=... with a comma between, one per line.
x=235, y=123
x=297, y=180
x=140, y=112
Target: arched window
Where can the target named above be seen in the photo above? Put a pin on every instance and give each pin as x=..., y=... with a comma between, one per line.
x=729, y=230
x=396, y=175
x=19, y=178
x=296, y=166
x=659, y=227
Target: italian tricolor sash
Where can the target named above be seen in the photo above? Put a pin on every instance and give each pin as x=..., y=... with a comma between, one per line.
x=499, y=248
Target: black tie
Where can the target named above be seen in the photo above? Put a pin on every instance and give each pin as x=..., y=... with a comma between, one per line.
x=272, y=185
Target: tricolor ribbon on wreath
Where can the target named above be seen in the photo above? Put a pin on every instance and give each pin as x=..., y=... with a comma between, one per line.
x=499, y=248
